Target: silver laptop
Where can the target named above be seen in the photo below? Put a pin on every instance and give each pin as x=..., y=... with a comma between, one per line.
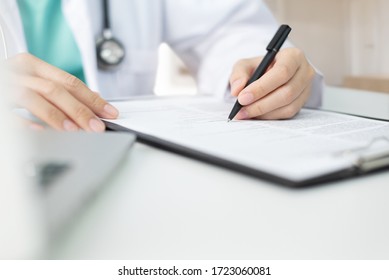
x=68, y=169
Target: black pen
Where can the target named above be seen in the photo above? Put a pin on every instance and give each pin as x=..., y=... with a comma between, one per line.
x=272, y=49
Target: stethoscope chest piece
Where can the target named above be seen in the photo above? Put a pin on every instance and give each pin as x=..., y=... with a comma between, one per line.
x=110, y=52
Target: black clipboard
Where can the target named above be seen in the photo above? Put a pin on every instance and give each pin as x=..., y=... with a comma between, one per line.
x=367, y=160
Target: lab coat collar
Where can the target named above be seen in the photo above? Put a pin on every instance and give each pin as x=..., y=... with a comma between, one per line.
x=13, y=28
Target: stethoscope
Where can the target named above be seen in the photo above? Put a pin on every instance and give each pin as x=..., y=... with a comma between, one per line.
x=110, y=51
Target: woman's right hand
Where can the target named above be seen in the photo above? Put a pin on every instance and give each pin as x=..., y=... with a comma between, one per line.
x=54, y=96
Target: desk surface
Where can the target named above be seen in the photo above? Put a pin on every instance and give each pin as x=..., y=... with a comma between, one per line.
x=159, y=205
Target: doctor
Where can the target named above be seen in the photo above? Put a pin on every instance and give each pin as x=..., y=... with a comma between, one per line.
x=56, y=56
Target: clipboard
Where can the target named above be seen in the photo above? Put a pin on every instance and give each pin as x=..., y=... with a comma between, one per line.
x=356, y=160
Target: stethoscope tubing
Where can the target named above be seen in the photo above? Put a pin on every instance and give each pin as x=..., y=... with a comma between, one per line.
x=107, y=28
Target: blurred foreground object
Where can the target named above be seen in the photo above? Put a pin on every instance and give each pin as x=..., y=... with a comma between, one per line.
x=21, y=229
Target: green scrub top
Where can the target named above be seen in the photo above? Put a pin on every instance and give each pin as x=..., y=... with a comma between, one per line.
x=48, y=35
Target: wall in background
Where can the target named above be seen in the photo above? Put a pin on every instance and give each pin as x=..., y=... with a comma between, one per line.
x=341, y=37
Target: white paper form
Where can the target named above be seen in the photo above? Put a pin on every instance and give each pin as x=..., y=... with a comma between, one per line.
x=309, y=145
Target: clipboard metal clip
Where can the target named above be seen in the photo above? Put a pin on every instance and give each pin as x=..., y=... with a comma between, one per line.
x=374, y=155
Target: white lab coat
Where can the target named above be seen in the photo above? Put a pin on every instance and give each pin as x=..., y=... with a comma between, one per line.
x=208, y=35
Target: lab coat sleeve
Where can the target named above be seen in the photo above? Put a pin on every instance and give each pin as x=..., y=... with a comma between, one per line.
x=210, y=36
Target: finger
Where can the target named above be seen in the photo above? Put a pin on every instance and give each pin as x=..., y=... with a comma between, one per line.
x=288, y=111
x=282, y=96
x=44, y=110
x=63, y=101
x=30, y=124
x=241, y=73
x=36, y=67
x=283, y=69
x=36, y=126
x=91, y=99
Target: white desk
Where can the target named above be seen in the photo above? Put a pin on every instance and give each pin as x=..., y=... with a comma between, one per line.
x=160, y=205
x=358, y=102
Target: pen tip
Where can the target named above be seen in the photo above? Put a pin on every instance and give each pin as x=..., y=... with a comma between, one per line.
x=228, y=120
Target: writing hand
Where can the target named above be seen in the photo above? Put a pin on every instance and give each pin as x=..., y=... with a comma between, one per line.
x=280, y=93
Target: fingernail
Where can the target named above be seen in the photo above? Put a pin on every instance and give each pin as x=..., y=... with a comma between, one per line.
x=96, y=125
x=69, y=125
x=110, y=110
x=235, y=85
x=246, y=98
x=36, y=127
x=242, y=115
